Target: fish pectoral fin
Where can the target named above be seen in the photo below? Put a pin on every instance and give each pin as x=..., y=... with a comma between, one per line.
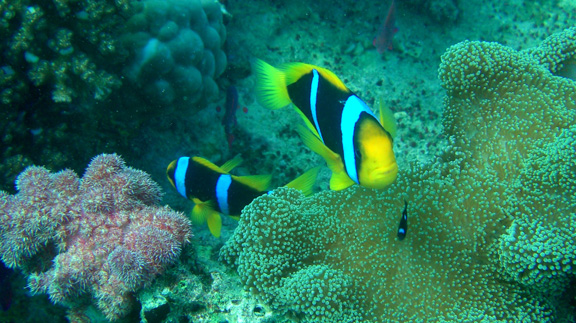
x=340, y=181
x=387, y=119
x=214, y=223
x=257, y=182
x=305, y=182
x=309, y=125
x=204, y=212
x=232, y=163
x=333, y=160
x=201, y=211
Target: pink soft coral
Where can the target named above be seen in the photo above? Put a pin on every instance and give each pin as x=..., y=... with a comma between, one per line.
x=105, y=233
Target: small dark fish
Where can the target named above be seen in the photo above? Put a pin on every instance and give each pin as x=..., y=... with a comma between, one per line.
x=383, y=41
x=229, y=120
x=403, y=227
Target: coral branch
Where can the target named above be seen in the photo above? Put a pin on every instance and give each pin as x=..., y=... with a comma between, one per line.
x=102, y=235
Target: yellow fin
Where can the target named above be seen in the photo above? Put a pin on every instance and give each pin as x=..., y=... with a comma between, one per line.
x=387, y=119
x=340, y=181
x=271, y=91
x=214, y=223
x=232, y=163
x=305, y=182
x=333, y=160
x=205, y=162
x=201, y=210
x=204, y=212
x=309, y=125
x=294, y=71
x=257, y=182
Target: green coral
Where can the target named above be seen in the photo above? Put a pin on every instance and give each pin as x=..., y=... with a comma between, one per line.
x=335, y=257
x=538, y=249
x=514, y=117
x=491, y=221
x=57, y=61
x=66, y=47
x=65, y=81
x=557, y=51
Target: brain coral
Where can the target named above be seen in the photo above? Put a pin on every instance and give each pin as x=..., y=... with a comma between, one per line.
x=491, y=221
x=178, y=49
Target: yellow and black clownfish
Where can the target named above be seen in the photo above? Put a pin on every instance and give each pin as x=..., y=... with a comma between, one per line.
x=214, y=191
x=356, y=145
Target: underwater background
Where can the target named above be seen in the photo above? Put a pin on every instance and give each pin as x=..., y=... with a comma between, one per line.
x=484, y=96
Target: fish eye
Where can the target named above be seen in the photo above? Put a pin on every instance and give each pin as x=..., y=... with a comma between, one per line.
x=357, y=153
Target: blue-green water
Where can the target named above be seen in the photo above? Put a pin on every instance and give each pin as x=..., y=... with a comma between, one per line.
x=144, y=79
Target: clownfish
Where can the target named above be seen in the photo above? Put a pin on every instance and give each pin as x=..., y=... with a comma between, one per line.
x=340, y=127
x=214, y=191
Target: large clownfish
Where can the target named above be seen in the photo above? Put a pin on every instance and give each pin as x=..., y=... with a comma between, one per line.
x=356, y=145
x=214, y=191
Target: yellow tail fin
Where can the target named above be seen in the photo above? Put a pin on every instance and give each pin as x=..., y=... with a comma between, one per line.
x=271, y=91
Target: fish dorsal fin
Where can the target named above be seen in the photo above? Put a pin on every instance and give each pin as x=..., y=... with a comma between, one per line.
x=204, y=212
x=294, y=71
x=232, y=163
x=333, y=160
x=206, y=163
x=258, y=182
x=271, y=91
x=387, y=119
x=305, y=182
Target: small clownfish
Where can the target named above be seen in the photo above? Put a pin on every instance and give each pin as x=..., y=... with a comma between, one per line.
x=215, y=191
x=340, y=127
x=403, y=226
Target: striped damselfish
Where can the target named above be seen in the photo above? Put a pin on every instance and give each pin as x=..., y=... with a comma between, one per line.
x=214, y=191
x=340, y=127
